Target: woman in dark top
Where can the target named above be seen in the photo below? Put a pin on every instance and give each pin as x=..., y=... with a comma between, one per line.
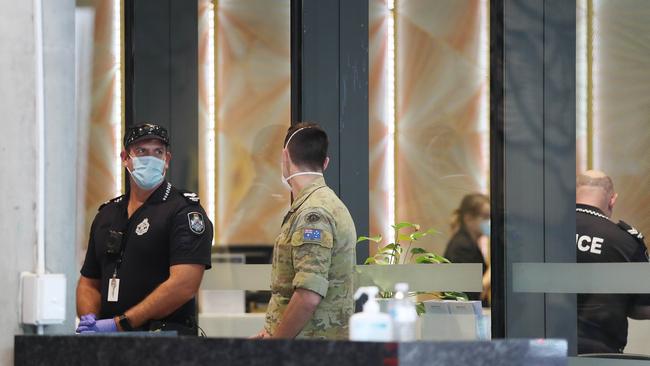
x=470, y=225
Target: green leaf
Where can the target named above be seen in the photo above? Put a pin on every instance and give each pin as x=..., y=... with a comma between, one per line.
x=431, y=258
x=419, y=308
x=452, y=295
x=405, y=224
x=390, y=248
x=423, y=259
x=418, y=251
x=370, y=260
x=375, y=239
x=403, y=237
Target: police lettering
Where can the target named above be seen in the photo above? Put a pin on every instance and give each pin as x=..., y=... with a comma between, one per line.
x=588, y=244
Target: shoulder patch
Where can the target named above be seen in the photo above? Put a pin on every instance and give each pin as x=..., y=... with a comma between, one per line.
x=632, y=231
x=312, y=235
x=112, y=200
x=191, y=197
x=313, y=217
x=196, y=222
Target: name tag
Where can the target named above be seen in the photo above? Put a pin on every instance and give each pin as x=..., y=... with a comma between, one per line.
x=113, y=289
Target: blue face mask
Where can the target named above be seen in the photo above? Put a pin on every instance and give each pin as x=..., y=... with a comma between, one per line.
x=148, y=171
x=485, y=227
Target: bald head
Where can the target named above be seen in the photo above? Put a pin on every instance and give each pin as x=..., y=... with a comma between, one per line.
x=596, y=189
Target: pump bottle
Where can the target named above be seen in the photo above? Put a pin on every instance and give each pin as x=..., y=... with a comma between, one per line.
x=370, y=325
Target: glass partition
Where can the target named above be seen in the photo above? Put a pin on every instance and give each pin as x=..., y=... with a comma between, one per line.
x=584, y=284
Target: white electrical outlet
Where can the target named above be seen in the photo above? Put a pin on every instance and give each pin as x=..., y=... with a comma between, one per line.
x=43, y=298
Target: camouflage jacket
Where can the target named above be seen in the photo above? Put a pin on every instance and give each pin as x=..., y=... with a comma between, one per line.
x=315, y=251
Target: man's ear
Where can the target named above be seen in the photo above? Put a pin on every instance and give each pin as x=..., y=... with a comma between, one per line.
x=286, y=157
x=168, y=157
x=612, y=201
x=327, y=163
x=124, y=156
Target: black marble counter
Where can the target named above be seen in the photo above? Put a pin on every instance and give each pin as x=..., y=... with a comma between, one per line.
x=177, y=351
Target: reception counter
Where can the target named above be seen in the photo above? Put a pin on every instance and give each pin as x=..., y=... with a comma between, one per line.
x=162, y=349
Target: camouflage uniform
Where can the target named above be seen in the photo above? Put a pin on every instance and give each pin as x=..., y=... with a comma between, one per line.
x=315, y=251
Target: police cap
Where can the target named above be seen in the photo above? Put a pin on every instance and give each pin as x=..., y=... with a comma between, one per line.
x=145, y=131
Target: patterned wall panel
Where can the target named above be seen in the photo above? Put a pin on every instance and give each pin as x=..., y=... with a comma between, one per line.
x=105, y=123
x=621, y=102
x=442, y=111
x=379, y=137
x=253, y=88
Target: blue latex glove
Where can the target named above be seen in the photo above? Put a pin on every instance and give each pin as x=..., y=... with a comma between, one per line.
x=87, y=320
x=97, y=326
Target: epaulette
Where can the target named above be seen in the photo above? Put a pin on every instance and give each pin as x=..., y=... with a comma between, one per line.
x=190, y=197
x=632, y=231
x=112, y=200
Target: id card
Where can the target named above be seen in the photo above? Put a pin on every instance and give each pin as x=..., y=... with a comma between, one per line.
x=113, y=289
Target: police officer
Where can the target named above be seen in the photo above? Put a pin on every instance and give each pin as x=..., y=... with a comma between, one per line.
x=602, y=318
x=147, y=249
x=314, y=254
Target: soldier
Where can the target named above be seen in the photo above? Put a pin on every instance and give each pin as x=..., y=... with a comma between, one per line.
x=314, y=253
x=147, y=249
x=602, y=318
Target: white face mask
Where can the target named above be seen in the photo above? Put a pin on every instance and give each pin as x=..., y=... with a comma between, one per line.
x=285, y=181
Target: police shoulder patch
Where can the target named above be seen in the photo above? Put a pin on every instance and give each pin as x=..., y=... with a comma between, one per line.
x=112, y=200
x=636, y=234
x=196, y=222
x=191, y=197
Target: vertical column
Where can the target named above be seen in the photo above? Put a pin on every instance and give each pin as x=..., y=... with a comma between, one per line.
x=19, y=146
x=533, y=166
x=61, y=149
x=162, y=77
x=560, y=158
x=333, y=78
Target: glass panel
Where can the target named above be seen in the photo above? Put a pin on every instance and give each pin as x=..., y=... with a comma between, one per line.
x=613, y=138
x=245, y=112
x=428, y=103
x=244, y=108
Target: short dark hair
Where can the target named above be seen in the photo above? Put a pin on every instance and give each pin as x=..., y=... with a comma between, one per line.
x=307, y=145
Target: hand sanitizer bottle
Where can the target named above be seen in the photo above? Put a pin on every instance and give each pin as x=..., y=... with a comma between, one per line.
x=402, y=311
x=370, y=325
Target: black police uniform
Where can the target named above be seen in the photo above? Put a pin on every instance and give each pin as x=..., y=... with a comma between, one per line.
x=602, y=318
x=169, y=228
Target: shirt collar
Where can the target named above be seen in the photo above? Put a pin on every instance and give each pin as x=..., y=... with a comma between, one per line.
x=307, y=191
x=589, y=207
x=161, y=194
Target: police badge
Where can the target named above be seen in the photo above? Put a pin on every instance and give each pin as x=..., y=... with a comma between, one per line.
x=196, y=222
x=142, y=227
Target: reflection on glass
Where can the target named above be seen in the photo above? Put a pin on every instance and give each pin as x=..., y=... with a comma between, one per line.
x=612, y=135
x=470, y=225
x=428, y=104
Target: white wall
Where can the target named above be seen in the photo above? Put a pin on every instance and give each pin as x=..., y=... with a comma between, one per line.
x=19, y=151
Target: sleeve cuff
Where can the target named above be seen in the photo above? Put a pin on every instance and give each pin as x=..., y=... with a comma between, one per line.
x=311, y=282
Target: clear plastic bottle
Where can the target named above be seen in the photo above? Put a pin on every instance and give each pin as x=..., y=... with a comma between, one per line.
x=370, y=325
x=402, y=311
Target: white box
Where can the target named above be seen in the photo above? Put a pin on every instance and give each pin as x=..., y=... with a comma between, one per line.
x=43, y=298
x=222, y=301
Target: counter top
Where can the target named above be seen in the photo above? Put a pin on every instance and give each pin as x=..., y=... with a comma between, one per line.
x=146, y=350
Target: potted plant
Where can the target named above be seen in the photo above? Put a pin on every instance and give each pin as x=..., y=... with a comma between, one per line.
x=402, y=251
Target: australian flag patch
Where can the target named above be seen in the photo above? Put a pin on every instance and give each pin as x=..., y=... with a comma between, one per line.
x=311, y=235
